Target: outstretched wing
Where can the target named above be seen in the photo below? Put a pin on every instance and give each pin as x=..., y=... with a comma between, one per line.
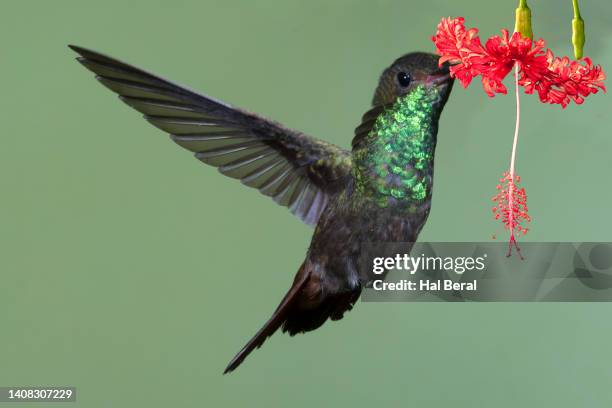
x=297, y=171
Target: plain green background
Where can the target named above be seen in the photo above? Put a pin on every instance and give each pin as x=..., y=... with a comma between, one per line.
x=133, y=272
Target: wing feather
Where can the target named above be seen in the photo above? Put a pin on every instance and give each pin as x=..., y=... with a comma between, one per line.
x=295, y=170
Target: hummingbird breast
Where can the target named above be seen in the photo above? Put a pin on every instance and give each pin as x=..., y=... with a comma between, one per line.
x=393, y=164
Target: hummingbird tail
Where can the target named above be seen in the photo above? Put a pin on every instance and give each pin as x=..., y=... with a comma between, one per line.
x=278, y=318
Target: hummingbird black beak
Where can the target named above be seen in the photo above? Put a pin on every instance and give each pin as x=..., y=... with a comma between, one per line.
x=440, y=76
x=438, y=79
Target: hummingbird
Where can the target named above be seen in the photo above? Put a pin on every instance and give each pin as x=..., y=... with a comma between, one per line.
x=378, y=191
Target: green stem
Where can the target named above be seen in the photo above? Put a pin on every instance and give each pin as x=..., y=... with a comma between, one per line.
x=578, y=36
x=576, y=9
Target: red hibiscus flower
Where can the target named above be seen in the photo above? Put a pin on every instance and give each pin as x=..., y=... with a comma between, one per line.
x=557, y=80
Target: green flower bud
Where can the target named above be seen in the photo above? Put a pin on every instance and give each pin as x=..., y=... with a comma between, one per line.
x=578, y=37
x=523, y=20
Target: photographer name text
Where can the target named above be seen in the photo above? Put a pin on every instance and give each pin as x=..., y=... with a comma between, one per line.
x=425, y=285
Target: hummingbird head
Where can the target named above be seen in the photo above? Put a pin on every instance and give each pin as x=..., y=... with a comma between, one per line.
x=412, y=71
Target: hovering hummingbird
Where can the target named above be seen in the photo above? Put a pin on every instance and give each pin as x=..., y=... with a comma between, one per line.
x=379, y=191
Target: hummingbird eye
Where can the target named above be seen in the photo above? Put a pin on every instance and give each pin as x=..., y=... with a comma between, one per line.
x=404, y=79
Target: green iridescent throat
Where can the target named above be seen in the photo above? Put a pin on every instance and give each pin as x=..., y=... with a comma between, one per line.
x=394, y=165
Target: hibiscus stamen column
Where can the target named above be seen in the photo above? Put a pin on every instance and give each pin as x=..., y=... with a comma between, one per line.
x=511, y=201
x=512, y=180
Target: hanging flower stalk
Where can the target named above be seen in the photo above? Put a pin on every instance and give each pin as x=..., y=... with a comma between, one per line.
x=536, y=69
x=578, y=36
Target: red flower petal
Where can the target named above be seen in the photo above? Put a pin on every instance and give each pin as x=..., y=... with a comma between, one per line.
x=461, y=48
x=567, y=81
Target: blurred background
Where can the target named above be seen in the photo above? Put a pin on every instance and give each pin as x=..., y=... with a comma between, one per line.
x=133, y=272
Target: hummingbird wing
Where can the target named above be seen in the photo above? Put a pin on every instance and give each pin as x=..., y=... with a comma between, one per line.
x=296, y=170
